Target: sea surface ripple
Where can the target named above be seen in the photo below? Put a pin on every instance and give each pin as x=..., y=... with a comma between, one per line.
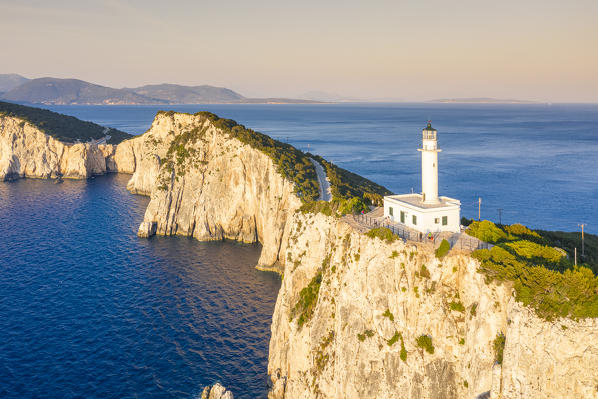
x=87, y=309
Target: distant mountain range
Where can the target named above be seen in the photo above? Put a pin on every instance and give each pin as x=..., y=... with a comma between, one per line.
x=16, y=88
x=481, y=100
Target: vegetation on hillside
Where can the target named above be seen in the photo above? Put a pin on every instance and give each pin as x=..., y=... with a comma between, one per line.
x=544, y=275
x=351, y=193
x=308, y=298
x=65, y=128
x=290, y=162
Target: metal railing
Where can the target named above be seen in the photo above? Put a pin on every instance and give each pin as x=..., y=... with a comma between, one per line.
x=459, y=240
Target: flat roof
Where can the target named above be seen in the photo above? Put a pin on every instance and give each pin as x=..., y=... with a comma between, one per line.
x=417, y=201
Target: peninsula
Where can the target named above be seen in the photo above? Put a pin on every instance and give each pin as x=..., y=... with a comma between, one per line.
x=53, y=91
x=361, y=312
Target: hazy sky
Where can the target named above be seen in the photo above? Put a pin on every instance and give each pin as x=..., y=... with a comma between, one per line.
x=412, y=50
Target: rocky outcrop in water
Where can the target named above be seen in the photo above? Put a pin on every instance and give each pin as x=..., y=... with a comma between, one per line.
x=26, y=151
x=216, y=391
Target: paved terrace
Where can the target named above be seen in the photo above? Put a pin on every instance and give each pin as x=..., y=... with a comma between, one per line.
x=375, y=218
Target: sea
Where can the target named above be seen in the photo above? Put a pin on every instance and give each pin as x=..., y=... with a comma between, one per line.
x=89, y=310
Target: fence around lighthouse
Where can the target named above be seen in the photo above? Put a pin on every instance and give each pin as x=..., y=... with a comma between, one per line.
x=457, y=240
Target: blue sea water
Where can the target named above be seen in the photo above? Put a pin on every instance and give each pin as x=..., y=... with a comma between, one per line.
x=88, y=310
x=536, y=162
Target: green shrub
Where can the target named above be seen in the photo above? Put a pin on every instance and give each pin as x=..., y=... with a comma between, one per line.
x=425, y=342
x=403, y=353
x=443, y=249
x=474, y=309
x=365, y=334
x=572, y=293
x=424, y=272
x=394, y=339
x=388, y=314
x=353, y=205
x=457, y=306
x=462, y=341
x=382, y=233
x=394, y=255
x=308, y=298
x=531, y=250
x=499, y=347
x=486, y=231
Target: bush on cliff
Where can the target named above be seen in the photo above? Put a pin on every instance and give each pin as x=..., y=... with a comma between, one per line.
x=308, y=298
x=336, y=207
x=544, y=276
x=425, y=342
x=486, y=231
x=443, y=249
x=499, y=347
x=382, y=233
x=551, y=293
x=291, y=163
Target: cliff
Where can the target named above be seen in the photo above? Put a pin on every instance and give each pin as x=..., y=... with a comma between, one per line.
x=360, y=335
x=356, y=316
x=207, y=185
x=26, y=151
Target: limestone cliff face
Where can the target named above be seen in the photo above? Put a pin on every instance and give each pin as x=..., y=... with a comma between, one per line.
x=213, y=187
x=25, y=151
x=376, y=300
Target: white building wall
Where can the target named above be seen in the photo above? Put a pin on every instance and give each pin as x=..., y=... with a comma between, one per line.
x=426, y=218
x=430, y=176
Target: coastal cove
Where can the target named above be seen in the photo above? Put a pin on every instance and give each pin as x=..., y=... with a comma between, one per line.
x=535, y=161
x=90, y=309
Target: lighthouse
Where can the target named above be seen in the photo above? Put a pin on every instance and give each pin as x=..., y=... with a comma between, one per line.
x=426, y=212
x=430, y=152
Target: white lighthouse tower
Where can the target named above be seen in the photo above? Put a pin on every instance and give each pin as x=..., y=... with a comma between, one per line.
x=426, y=212
x=430, y=152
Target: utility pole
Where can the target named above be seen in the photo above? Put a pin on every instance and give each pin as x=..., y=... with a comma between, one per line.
x=575, y=256
x=500, y=216
x=479, y=208
x=583, y=254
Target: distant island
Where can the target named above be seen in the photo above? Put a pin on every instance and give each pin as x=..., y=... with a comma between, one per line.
x=482, y=100
x=54, y=91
